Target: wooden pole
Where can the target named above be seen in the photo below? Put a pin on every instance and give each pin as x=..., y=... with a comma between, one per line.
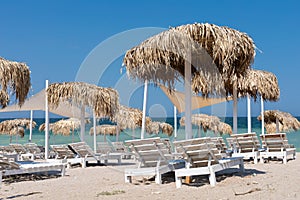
x=144, y=109
x=46, y=123
x=188, y=96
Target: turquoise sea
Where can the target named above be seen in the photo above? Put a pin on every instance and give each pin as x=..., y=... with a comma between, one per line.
x=39, y=137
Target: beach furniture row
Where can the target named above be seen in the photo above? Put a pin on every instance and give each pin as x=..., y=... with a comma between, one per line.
x=198, y=156
x=272, y=146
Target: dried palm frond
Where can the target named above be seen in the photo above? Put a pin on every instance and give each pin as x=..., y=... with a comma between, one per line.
x=129, y=118
x=62, y=127
x=15, y=126
x=103, y=101
x=255, y=83
x=16, y=76
x=212, y=49
x=208, y=122
x=105, y=129
x=286, y=121
x=166, y=128
x=153, y=127
x=224, y=128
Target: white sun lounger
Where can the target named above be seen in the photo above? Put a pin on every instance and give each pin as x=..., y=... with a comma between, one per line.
x=64, y=154
x=203, y=158
x=153, y=159
x=246, y=145
x=84, y=151
x=277, y=146
x=8, y=168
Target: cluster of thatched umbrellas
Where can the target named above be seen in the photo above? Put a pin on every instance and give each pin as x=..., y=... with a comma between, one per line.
x=212, y=60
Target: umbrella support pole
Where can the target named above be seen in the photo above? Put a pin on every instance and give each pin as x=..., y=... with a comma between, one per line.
x=95, y=138
x=144, y=109
x=30, y=126
x=235, y=109
x=188, y=96
x=175, y=123
x=262, y=115
x=46, y=123
x=249, y=112
x=82, y=123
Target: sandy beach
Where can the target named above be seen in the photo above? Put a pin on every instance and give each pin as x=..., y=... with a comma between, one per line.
x=272, y=180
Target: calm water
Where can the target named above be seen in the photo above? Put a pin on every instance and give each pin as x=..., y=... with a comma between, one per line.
x=39, y=138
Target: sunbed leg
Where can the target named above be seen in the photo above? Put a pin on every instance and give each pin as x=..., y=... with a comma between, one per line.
x=128, y=179
x=212, y=177
x=63, y=170
x=261, y=159
x=284, y=157
x=83, y=163
x=241, y=166
x=119, y=160
x=178, y=181
x=158, y=178
x=256, y=158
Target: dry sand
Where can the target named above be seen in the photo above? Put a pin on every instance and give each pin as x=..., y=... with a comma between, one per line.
x=272, y=180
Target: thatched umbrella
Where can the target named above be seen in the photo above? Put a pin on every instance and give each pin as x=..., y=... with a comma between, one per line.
x=278, y=121
x=184, y=50
x=16, y=76
x=208, y=122
x=63, y=127
x=129, y=118
x=224, y=128
x=15, y=127
x=105, y=129
x=252, y=83
x=103, y=101
x=166, y=128
x=153, y=127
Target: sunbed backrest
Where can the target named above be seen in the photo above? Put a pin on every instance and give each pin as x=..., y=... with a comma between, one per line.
x=82, y=149
x=150, y=152
x=275, y=142
x=198, y=152
x=246, y=142
x=104, y=147
x=19, y=148
x=62, y=151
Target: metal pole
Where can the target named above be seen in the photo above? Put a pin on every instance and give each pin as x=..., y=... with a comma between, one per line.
x=46, y=123
x=95, y=138
x=82, y=123
x=249, y=112
x=175, y=122
x=234, y=109
x=144, y=109
x=277, y=125
x=188, y=96
x=262, y=115
x=30, y=126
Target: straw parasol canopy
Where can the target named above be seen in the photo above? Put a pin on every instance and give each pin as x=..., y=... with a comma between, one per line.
x=166, y=128
x=63, y=127
x=15, y=76
x=153, y=127
x=103, y=101
x=208, y=122
x=105, y=129
x=255, y=83
x=161, y=58
x=15, y=126
x=129, y=118
x=286, y=121
x=224, y=128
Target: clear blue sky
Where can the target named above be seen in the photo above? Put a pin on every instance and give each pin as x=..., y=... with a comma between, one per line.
x=55, y=37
